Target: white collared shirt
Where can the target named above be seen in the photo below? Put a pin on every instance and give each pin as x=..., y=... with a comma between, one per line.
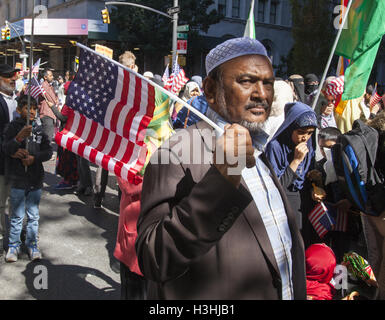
x=12, y=104
x=271, y=208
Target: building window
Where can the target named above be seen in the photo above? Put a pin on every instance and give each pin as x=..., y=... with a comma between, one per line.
x=235, y=12
x=222, y=7
x=261, y=11
x=273, y=12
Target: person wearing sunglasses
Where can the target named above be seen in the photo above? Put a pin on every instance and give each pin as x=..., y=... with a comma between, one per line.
x=8, y=77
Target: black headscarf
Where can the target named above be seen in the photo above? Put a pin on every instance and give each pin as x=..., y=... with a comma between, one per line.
x=299, y=87
x=309, y=78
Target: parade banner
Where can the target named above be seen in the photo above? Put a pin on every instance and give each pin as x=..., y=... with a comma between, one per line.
x=104, y=50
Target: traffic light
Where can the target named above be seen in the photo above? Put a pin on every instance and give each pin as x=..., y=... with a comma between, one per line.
x=3, y=34
x=8, y=33
x=105, y=16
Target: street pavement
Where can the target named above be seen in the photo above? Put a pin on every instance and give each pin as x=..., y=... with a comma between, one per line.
x=77, y=244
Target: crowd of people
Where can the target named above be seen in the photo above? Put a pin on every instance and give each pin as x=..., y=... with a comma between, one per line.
x=197, y=231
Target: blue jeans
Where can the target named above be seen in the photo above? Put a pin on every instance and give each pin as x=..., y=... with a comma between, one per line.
x=24, y=201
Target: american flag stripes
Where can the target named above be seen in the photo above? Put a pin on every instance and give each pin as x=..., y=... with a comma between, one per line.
x=111, y=109
x=36, y=88
x=375, y=98
x=177, y=79
x=321, y=220
x=336, y=87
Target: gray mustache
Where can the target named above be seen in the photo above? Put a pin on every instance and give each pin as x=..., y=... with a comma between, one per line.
x=263, y=105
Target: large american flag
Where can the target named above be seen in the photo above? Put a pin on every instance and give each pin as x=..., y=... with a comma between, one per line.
x=110, y=111
x=177, y=79
x=320, y=219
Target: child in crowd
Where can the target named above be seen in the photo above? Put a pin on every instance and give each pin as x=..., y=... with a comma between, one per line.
x=324, y=176
x=320, y=265
x=326, y=117
x=25, y=173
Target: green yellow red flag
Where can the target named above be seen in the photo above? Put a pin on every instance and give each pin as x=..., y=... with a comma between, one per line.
x=359, y=42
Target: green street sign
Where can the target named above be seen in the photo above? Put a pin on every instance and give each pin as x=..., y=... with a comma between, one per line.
x=182, y=35
x=183, y=28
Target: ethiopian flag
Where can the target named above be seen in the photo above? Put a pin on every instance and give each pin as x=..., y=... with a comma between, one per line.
x=250, y=25
x=360, y=43
x=159, y=129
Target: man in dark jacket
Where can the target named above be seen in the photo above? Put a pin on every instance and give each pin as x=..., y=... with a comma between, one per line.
x=8, y=77
x=25, y=172
x=206, y=230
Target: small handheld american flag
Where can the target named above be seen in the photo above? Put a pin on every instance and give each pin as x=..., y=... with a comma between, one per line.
x=166, y=75
x=35, y=88
x=375, y=98
x=177, y=79
x=336, y=87
x=321, y=220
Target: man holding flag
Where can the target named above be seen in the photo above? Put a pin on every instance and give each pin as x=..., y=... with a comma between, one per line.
x=8, y=104
x=203, y=231
x=47, y=116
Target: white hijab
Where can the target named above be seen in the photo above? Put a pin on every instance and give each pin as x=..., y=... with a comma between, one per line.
x=190, y=86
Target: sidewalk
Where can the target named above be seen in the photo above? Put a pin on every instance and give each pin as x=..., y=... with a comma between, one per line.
x=77, y=243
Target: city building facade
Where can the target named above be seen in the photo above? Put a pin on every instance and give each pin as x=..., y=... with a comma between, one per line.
x=51, y=41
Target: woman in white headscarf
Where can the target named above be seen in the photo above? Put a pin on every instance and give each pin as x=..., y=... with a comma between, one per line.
x=191, y=90
x=283, y=94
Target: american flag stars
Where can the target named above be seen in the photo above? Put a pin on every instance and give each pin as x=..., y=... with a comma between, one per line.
x=110, y=108
x=94, y=87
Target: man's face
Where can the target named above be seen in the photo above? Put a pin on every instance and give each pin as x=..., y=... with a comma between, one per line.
x=246, y=92
x=8, y=83
x=325, y=144
x=49, y=77
x=129, y=63
x=301, y=135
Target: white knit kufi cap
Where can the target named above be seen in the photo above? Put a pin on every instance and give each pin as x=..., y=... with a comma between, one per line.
x=231, y=49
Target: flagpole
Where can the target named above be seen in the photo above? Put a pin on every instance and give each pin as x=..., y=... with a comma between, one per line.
x=30, y=65
x=170, y=94
x=332, y=54
x=30, y=74
x=250, y=23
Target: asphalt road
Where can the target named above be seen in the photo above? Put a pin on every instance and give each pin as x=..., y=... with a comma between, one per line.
x=77, y=244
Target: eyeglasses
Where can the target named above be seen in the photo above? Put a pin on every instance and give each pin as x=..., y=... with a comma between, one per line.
x=8, y=75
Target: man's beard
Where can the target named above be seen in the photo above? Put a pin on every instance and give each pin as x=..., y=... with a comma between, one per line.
x=7, y=88
x=253, y=127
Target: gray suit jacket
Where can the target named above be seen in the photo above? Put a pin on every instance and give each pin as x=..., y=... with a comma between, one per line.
x=199, y=237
